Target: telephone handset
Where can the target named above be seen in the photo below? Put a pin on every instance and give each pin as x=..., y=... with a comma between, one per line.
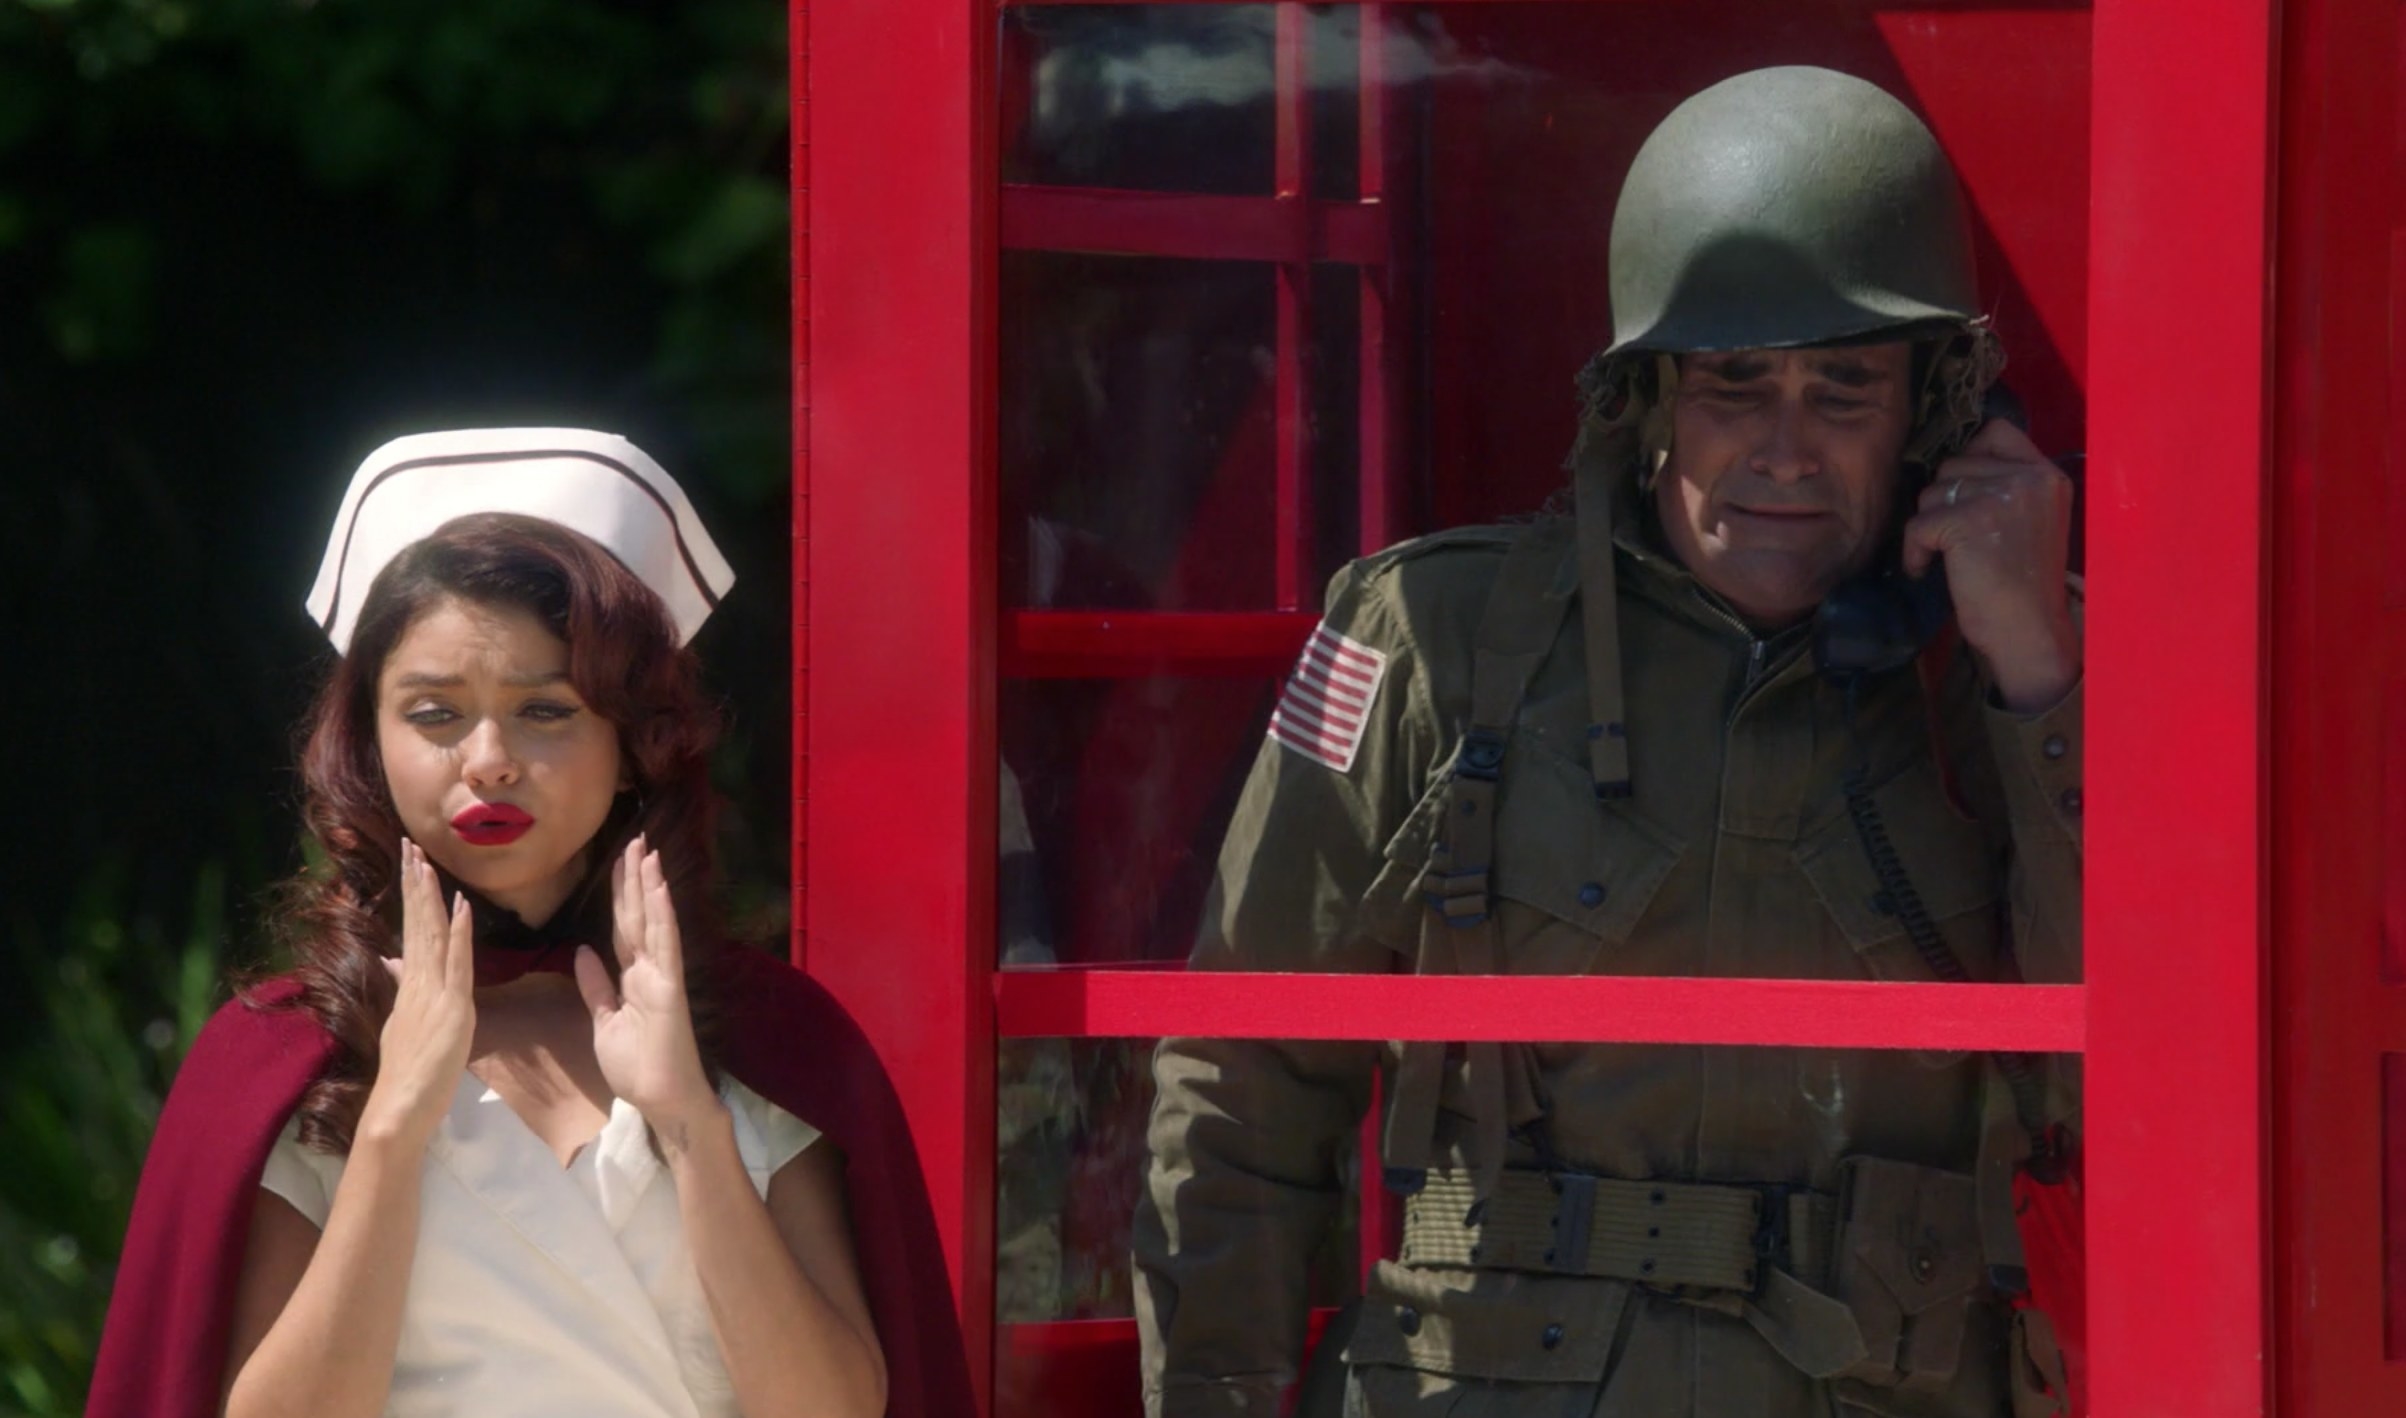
x=1880, y=620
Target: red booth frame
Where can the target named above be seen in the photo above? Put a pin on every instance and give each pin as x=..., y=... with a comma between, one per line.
x=2222, y=817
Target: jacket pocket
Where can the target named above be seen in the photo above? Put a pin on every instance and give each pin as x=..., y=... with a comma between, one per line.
x=1946, y=859
x=1591, y=864
x=1908, y=1265
x=1575, y=861
x=1549, y=1330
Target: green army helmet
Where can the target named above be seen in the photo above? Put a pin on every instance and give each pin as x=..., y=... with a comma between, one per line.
x=1778, y=209
x=1788, y=207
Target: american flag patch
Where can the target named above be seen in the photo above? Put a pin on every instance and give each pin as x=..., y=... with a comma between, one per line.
x=1325, y=707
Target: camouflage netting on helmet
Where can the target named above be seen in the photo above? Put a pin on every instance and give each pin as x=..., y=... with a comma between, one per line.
x=1625, y=402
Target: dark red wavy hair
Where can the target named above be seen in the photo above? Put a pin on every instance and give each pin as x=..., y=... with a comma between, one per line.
x=342, y=914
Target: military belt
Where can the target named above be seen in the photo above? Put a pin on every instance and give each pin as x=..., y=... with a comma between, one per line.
x=1668, y=1234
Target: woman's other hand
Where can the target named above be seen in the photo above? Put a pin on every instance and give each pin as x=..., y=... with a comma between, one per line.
x=642, y=1029
x=424, y=1046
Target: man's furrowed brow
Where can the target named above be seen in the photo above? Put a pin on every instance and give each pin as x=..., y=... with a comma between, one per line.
x=1852, y=372
x=1733, y=368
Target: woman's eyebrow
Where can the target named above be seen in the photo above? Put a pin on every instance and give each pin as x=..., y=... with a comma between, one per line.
x=420, y=679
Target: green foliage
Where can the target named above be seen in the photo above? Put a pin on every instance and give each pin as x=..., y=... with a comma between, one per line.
x=118, y=1008
x=670, y=117
x=100, y=308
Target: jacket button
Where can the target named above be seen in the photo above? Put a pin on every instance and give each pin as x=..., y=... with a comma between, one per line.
x=1925, y=1266
x=2071, y=801
x=1591, y=894
x=1552, y=1338
x=1407, y=1319
x=2055, y=747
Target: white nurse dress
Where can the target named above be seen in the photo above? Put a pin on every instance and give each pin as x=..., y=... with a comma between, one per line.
x=539, y=1291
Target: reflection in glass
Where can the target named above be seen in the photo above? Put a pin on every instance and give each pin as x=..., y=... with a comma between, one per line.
x=1136, y=455
x=1140, y=448
x=1173, y=98
x=1125, y=788
x=1139, y=429
x=1071, y=1139
x=1627, y=1246
x=1167, y=98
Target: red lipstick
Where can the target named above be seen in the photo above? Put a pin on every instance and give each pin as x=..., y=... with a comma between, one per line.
x=491, y=824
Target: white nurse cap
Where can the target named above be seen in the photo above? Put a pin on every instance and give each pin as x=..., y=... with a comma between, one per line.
x=595, y=483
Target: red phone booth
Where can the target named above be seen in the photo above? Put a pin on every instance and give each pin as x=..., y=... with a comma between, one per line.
x=1119, y=328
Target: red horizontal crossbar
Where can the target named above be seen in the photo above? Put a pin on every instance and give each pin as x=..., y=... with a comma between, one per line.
x=1117, y=644
x=1112, y=222
x=1601, y=1009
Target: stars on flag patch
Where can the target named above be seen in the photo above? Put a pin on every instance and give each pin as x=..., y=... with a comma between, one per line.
x=1325, y=708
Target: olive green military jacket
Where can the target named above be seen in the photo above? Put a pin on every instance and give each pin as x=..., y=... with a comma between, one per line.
x=1734, y=856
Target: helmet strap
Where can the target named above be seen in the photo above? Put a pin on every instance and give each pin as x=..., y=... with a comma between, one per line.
x=1654, y=427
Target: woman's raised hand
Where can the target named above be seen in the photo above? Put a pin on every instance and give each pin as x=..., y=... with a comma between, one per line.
x=642, y=1029
x=425, y=1042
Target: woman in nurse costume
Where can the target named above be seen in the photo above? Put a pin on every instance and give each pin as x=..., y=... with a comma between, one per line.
x=522, y=1135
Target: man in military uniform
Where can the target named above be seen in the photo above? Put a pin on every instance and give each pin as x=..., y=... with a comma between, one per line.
x=1617, y=742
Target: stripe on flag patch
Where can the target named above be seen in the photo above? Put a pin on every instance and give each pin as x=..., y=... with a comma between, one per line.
x=1325, y=708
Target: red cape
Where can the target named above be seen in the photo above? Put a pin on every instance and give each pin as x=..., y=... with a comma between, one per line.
x=162, y=1354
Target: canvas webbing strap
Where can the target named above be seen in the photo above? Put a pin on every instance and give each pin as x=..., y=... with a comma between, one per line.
x=1600, y=616
x=1524, y=612
x=2005, y=1140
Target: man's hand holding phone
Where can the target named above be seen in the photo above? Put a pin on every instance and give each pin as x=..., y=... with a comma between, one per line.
x=2001, y=516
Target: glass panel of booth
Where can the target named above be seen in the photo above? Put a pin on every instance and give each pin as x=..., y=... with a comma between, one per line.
x=1180, y=449
x=1281, y=286
x=1236, y=1231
